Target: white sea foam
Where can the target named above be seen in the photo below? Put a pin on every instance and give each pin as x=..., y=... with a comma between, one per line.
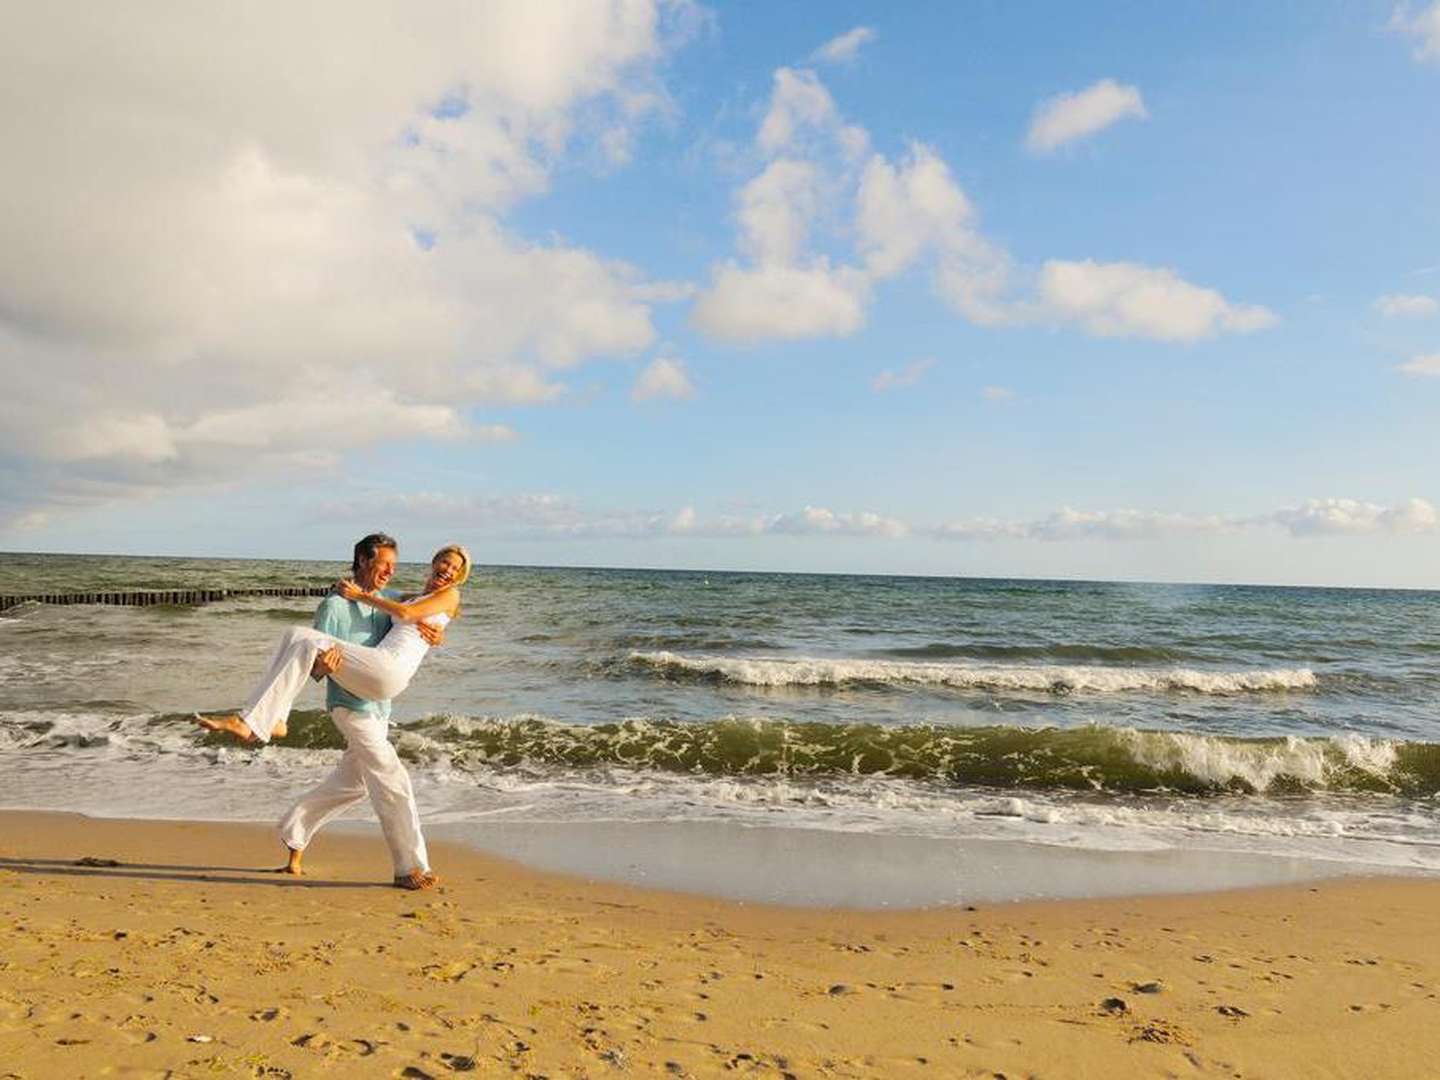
x=45, y=667
x=1043, y=678
x=131, y=766
x=1259, y=763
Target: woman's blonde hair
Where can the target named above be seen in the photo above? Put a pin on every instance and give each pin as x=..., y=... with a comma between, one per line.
x=455, y=549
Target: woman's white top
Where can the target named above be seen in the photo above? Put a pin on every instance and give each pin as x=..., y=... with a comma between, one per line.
x=404, y=643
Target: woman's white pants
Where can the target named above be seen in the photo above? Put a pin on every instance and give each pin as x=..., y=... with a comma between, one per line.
x=366, y=672
x=369, y=764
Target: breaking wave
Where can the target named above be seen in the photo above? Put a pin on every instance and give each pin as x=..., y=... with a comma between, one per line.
x=1038, y=678
x=1092, y=758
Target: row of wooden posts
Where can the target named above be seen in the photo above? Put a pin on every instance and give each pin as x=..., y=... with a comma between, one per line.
x=158, y=596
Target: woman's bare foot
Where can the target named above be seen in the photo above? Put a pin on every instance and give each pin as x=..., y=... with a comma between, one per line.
x=292, y=862
x=417, y=880
x=230, y=723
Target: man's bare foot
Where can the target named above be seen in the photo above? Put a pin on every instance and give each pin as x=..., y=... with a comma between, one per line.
x=279, y=732
x=230, y=723
x=417, y=880
x=292, y=862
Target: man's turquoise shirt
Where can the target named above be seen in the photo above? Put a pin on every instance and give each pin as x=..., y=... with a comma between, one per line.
x=359, y=624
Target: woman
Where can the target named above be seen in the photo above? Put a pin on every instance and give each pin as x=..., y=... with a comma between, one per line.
x=377, y=673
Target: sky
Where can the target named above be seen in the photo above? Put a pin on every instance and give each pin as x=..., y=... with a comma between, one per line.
x=1115, y=290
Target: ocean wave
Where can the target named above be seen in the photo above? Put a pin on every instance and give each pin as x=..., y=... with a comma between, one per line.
x=1094, y=759
x=1116, y=760
x=939, y=650
x=1039, y=678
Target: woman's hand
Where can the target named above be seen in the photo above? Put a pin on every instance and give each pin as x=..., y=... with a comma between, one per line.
x=348, y=589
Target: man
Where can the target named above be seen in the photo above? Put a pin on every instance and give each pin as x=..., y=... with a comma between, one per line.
x=369, y=763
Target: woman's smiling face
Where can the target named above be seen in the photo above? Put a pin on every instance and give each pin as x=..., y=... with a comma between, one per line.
x=446, y=568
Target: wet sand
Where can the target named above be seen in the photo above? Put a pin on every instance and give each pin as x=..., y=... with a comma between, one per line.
x=821, y=868
x=185, y=959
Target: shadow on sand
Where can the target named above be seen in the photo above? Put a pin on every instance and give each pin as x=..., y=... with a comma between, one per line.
x=222, y=875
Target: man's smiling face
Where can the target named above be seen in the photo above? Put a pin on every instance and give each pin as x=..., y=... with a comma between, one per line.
x=375, y=573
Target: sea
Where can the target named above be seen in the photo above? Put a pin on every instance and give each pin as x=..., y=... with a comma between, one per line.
x=663, y=725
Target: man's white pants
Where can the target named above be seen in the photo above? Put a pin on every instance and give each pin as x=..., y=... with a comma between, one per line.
x=369, y=764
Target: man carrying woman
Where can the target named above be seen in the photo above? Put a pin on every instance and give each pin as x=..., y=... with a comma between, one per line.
x=368, y=642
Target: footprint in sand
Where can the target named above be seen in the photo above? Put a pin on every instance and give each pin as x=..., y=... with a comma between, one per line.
x=332, y=1048
x=933, y=988
x=792, y=1023
x=452, y=972
x=1160, y=1031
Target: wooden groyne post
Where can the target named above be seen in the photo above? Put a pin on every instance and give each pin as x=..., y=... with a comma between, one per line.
x=151, y=597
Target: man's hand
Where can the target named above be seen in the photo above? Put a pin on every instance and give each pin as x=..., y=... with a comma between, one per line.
x=433, y=635
x=327, y=663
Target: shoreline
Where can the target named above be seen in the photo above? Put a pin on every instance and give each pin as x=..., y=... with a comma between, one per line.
x=812, y=868
x=807, y=867
x=186, y=957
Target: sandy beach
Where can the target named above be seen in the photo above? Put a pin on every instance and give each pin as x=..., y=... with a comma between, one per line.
x=186, y=960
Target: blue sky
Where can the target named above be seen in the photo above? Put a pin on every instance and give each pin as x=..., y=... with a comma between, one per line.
x=1127, y=290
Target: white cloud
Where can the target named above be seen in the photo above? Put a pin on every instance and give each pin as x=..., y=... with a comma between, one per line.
x=845, y=47
x=209, y=224
x=775, y=210
x=335, y=421
x=798, y=101
x=527, y=515
x=776, y=301
x=549, y=516
x=1323, y=517
x=496, y=433
x=1066, y=117
x=1422, y=25
x=997, y=393
x=663, y=378
x=1315, y=517
x=553, y=517
x=142, y=437
x=902, y=210
x=508, y=384
x=915, y=209
x=909, y=212
x=28, y=522
x=817, y=519
x=1422, y=365
x=898, y=378
x=683, y=520
x=1068, y=524
x=810, y=521
x=1400, y=305
x=782, y=290
x=1129, y=300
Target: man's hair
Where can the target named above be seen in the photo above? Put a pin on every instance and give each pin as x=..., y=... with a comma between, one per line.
x=367, y=547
